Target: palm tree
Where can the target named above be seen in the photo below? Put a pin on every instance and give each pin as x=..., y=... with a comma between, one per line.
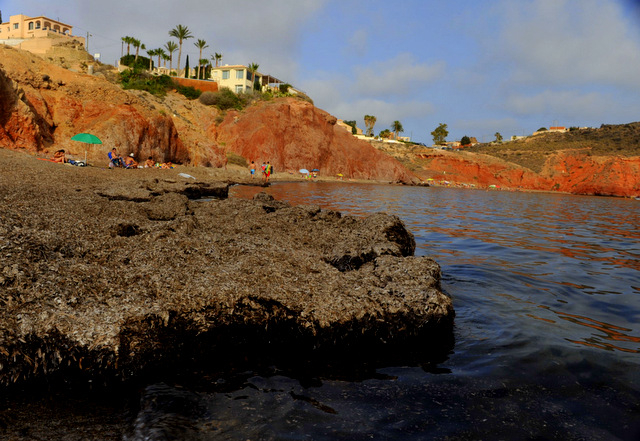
x=370, y=122
x=397, y=128
x=218, y=58
x=165, y=58
x=161, y=54
x=171, y=47
x=136, y=43
x=200, y=44
x=181, y=33
x=151, y=53
x=128, y=40
x=124, y=40
x=253, y=68
x=202, y=68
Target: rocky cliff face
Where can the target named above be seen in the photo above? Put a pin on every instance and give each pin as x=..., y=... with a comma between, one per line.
x=293, y=134
x=571, y=171
x=44, y=105
x=582, y=173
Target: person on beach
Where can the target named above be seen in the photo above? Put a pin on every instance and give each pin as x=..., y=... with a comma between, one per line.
x=59, y=156
x=149, y=163
x=115, y=158
x=252, y=168
x=130, y=162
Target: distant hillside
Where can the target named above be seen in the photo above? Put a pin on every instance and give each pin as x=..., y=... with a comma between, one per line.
x=604, y=161
x=532, y=152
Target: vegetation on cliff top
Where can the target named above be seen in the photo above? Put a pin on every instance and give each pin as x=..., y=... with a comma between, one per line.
x=225, y=99
x=156, y=85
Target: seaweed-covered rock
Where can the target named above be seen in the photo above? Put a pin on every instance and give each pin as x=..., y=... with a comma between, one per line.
x=97, y=282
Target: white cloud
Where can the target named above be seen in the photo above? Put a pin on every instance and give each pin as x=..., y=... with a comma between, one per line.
x=485, y=129
x=568, y=104
x=384, y=111
x=342, y=95
x=266, y=32
x=401, y=75
x=358, y=43
x=570, y=42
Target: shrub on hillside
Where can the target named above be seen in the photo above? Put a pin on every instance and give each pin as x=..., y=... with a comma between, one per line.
x=235, y=159
x=188, y=91
x=156, y=85
x=248, y=98
x=208, y=98
x=141, y=80
x=140, y=63
x=303, y=97
x=223, y=99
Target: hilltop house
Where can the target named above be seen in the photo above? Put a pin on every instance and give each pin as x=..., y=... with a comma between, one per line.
x=36, y=34
x=348, y=128
x=239, y=78
x=552, y=129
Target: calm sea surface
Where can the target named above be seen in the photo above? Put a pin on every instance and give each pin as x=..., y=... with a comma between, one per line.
x=546, y=289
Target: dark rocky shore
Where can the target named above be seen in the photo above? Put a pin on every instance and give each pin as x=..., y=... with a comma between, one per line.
x=105, y=274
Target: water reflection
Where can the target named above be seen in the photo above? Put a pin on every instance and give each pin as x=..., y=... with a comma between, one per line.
x=547, y=323
x=578, y=257
x=611, y=332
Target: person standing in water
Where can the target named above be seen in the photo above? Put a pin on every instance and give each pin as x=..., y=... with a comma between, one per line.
x=267, y=172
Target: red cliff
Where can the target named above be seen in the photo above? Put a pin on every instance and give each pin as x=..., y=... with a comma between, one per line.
x=293, y=134
x=42, y=106
x=569, y=171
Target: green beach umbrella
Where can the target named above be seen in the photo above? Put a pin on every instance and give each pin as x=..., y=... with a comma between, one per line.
x=87, y=138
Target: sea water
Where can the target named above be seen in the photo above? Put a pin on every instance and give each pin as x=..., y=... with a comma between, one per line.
x=546, y=289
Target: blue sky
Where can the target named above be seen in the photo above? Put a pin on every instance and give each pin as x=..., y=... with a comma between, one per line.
x=480, y=67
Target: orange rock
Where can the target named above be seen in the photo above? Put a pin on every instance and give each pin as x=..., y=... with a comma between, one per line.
x=293, y=134
x=571, y=172
x=43, y=106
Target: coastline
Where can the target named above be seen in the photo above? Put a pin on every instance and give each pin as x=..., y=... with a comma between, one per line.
x=238, y=175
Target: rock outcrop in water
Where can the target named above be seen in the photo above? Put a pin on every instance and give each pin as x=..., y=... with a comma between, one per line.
x=108, y=272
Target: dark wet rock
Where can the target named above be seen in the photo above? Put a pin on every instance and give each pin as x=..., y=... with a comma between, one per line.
x=268, y=203
x=263, y=197
x=106, y=286
x=122, y=193
x=191, y=189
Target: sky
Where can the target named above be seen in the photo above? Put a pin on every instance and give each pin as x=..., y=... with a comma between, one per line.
x=478, y=66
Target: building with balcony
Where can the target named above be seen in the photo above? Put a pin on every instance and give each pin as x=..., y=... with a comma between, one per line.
x=36, y=34
x=238, y=78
